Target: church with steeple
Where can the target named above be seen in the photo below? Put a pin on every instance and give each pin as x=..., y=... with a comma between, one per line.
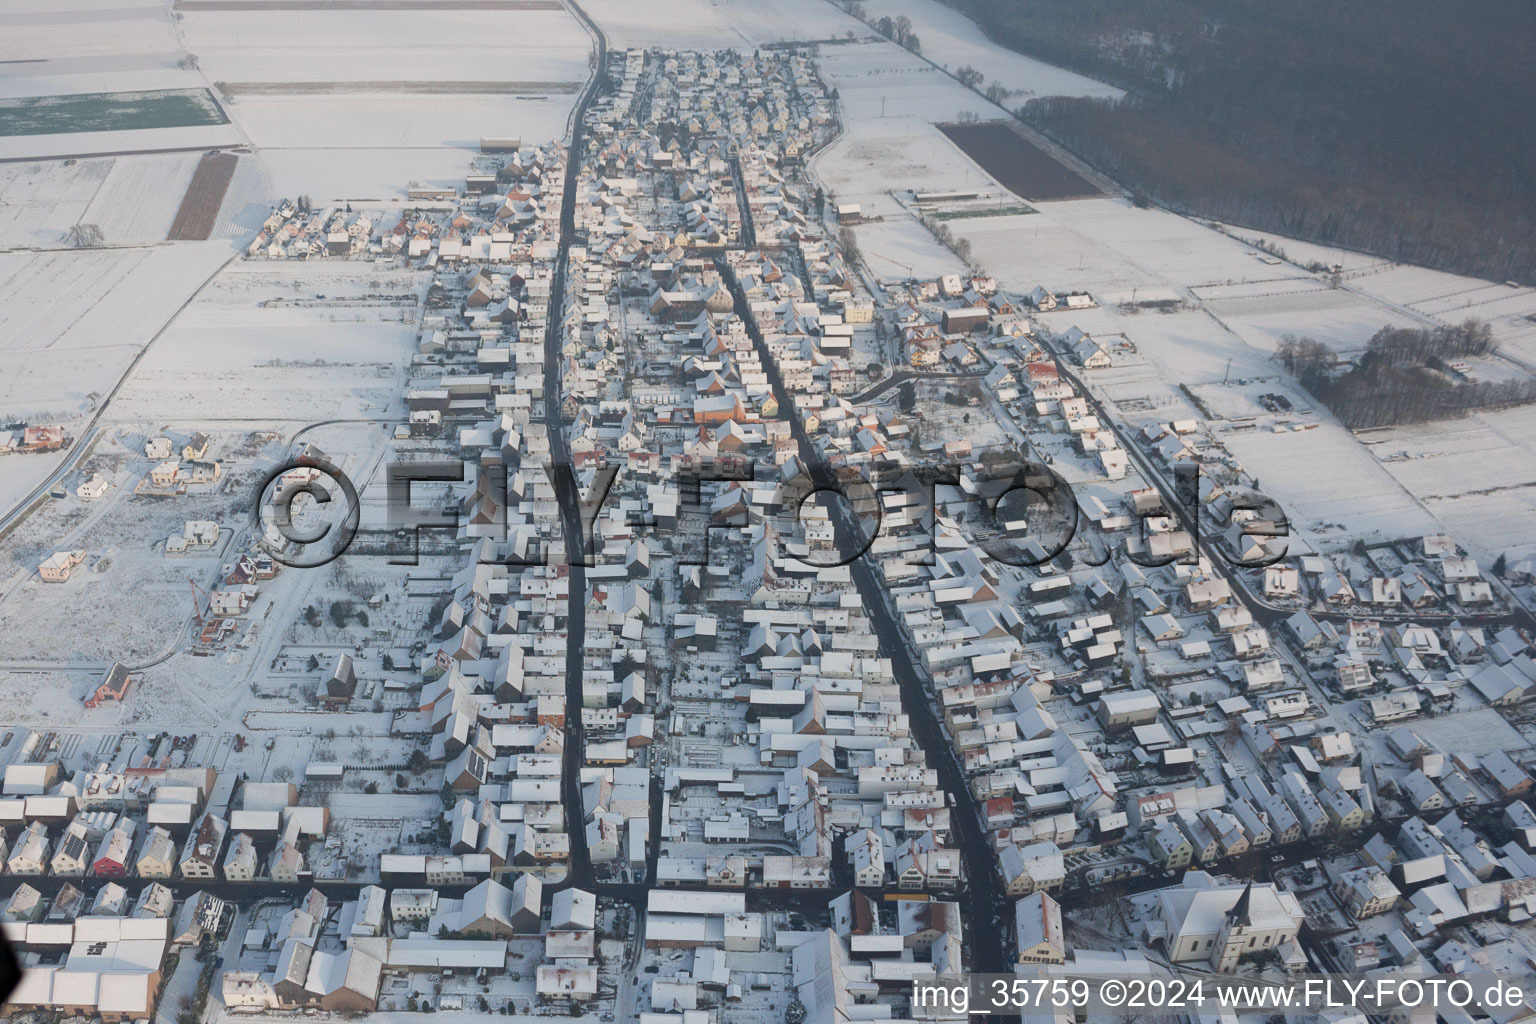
x=1201, y=919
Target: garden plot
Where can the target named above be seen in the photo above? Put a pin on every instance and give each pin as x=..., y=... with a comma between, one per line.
x=944, y=422
x=380, y=805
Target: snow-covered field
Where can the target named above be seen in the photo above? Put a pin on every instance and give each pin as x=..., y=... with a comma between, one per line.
x=1329, y=485
x=71, y=320
x=39, y=147
x=1421, y=294
x=507, y=45
x=889, y=247
x=296, y=357
x=132, y=199
x=97, y=30
x=352, y=146
x=45, y=68
x=890, y=101
x=124, y=73
x=1478, y=475
x=723, y=24
x=333, y=140
x=1341, y=320
x=954, y=41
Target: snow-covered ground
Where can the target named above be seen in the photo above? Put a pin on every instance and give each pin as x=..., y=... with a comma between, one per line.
x=890, y=101
x=954, y=41
x=1332, y=485
x=899, y=248
x=717, y=24
x=308, y=88
x=1425, y=294
x=72, y=321
x=1475, y=732
x=1478, y=475
x=41, y=147
x=82, y=75
x=258, y=345
x=1329, y=486
x=100, y=33
x=352, y=147
x=131, y=199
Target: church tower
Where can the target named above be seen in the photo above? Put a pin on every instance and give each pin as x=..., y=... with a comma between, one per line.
x=1232, y=939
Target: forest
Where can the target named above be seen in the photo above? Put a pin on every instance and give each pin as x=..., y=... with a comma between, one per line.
x=1402, y=377
x=1398, y=127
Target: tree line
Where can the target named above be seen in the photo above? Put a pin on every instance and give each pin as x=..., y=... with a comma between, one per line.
x=898, y=29
x=1402, y=377
x=1400, y=127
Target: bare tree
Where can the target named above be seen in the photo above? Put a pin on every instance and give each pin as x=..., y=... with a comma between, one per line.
x=84, y=236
